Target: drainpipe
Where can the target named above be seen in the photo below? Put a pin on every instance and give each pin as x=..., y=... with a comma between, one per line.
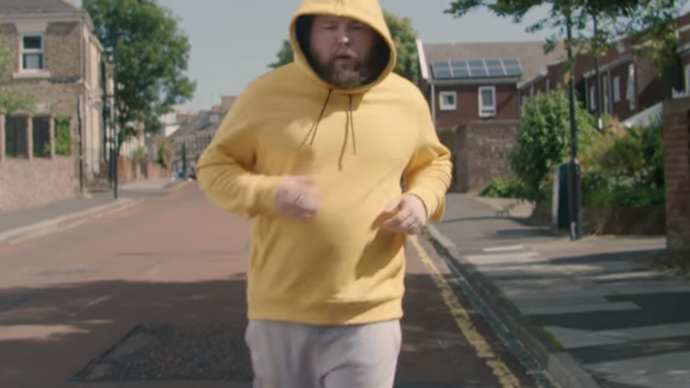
x=433, y=103
x=80, y=124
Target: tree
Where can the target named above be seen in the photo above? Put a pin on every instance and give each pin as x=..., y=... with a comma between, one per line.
x=11, y=99
x=543, y=140
x=150, y=55
x=404, y=38
x=640, y=20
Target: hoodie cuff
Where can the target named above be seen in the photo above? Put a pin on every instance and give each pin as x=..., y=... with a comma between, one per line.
x=434, y=207
x=266, y=189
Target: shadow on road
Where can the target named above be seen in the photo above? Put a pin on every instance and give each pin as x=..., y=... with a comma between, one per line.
x=146, y=331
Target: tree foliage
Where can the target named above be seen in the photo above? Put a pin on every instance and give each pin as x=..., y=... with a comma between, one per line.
x=150, y=55
x=640, y=20
x=404, y=38
x=165, y=151
x=543, y=140
x=11, y=99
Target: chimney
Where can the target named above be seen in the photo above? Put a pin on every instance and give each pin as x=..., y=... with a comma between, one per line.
x=227, y=102
x=184, y=118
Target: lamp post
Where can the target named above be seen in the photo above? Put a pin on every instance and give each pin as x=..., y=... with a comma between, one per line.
x=574, y=179
x=115, y=147
x=600, y=125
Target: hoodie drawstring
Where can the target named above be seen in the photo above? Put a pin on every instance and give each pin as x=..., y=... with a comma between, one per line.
x=349, y=129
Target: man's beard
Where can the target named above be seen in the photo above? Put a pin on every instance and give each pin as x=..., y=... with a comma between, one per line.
x=354, y=73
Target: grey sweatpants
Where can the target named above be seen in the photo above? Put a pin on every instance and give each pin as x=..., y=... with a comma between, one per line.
x=288, y=355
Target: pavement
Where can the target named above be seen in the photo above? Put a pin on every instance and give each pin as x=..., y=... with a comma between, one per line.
x=154, y=296
x=587, y=310
x=22, y=224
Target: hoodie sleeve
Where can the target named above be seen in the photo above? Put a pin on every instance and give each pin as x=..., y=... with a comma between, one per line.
x=225, y=170
x=428, y=174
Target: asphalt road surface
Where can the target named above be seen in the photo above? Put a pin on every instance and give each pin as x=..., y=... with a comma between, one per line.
x=153, y=296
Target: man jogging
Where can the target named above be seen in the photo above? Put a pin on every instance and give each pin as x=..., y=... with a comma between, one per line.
x=313, y=153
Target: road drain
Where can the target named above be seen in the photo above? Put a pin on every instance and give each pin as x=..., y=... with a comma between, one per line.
x=175, y=352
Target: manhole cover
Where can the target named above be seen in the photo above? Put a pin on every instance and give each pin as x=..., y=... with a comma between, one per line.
x=175, y=352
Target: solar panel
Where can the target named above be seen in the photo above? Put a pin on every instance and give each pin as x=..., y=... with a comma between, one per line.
x=477, y=68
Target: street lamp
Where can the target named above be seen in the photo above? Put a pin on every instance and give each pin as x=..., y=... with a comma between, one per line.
x=574, y=179
x=114, y=148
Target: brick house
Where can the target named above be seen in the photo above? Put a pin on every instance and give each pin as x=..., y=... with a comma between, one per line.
x=58, y=62
x=473, y=93
x=473, y=82
x=629, y=83
x=196, y=132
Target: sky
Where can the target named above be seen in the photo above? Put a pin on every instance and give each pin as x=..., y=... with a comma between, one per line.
x=233, y=41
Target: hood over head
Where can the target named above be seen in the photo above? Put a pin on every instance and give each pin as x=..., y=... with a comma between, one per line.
x=368, y=12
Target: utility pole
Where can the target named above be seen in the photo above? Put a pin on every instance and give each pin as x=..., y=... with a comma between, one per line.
x=599, y=97
x=574, y=179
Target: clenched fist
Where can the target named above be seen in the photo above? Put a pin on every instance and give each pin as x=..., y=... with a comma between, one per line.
x=406, y=215
x=296, y=197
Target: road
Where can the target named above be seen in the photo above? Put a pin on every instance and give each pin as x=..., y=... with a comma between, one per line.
x=153, y=296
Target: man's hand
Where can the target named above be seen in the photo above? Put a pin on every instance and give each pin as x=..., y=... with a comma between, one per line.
x=408, y=215
x=297, y=197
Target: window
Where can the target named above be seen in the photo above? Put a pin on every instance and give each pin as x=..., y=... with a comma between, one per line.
x=616, y=89
x=605, y=94
x=548, y=85
x=592, y=98
x=32, y=53
x=41, y=137
x=487, y=101
x=687, y=79
x=631, y=94
x=448, y=100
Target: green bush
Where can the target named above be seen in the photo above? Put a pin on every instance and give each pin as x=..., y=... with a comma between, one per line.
x=543, y=141
x=626, y=168
x=503, y=188
x=63, y=136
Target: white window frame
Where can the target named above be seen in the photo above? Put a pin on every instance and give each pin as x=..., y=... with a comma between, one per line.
x=23, y=51
x=442, y=103
x=605, y=94
x=631, y=93
x=616, y=89
x=485, y=111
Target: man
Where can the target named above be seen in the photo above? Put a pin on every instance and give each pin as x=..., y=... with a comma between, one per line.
x=313, y=153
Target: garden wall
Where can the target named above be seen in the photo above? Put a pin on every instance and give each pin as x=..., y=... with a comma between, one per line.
x=677, y=163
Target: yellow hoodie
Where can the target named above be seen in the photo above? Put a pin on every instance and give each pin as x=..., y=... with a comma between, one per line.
x=337, y=268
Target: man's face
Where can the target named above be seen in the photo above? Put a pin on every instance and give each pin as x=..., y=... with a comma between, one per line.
x=341, y=50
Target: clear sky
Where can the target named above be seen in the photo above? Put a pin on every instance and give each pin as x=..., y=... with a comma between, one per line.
x=233, y=40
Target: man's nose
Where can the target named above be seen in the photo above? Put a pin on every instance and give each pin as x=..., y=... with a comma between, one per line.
x=343, y=35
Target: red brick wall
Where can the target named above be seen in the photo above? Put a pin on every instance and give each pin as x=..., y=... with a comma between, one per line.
x=507, y=105
x=677, y=159
x=129, y=170
x=481, y=154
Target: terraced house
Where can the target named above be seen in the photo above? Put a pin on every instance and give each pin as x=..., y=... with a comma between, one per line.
x=475, y=91
x=196, y=131
x=48, y=152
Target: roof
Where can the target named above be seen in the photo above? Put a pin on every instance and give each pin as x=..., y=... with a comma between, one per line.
x=203, y=122
x=37, y=6
x=530, y=54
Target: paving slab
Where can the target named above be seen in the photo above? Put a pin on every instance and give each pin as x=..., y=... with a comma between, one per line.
x=14, y=219
x=587, y=303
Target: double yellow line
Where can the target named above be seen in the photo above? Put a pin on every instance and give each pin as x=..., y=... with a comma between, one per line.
x=462, y=318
